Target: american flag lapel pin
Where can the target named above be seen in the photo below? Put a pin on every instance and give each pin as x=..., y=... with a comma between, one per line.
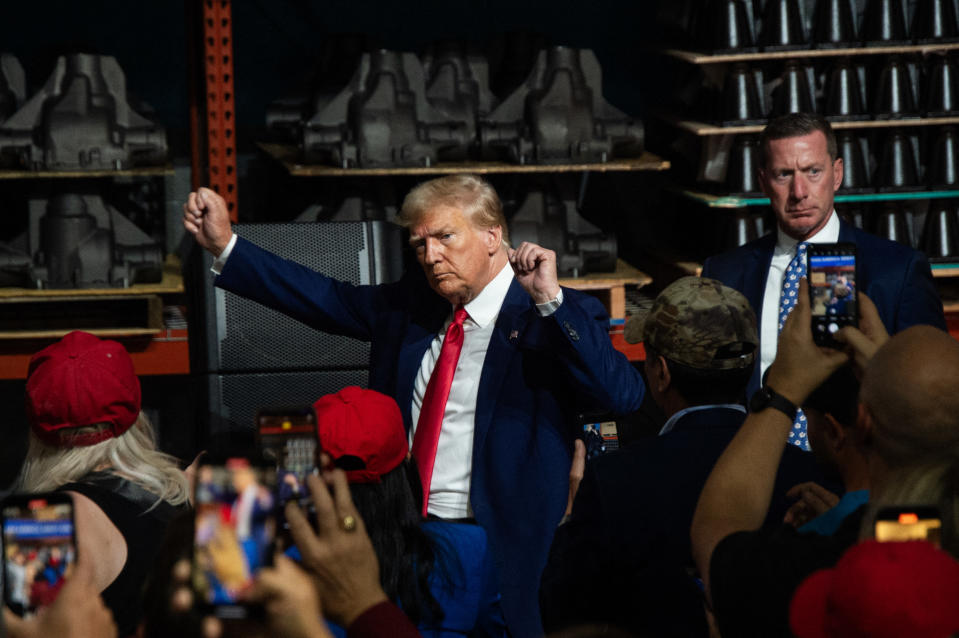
x=513, y=335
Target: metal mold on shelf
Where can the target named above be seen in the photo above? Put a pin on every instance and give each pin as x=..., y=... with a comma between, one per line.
x=893, y=221
x=796, y=91
x=13, y=85
x=77, y=240
x=940, y=234
x=898, y=165
x=741, y=103
x=834, y=25
x=457, y=84
x=782, y=27
x=942, y=88
x=339, y=56
x=546, y=213
x=845, y=100
x=559, y=115
x=943, y=169
x=935, y=22
x=742, y=173
x=728, y=27
x=82, y=119
x=884, y=23
x=383, y=118
x=894, y=96
x=743, y=227
x=854, y=154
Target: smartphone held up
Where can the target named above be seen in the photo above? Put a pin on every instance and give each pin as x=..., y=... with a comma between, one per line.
x=39, y=549
x=833, y=290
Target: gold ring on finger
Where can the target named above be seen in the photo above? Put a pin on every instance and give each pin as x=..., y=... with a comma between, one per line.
x=348, y=523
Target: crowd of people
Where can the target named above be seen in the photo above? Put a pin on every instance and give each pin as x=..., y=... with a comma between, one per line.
x=454, y=497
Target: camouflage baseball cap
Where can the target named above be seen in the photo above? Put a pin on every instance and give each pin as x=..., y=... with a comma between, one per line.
x=703, y=324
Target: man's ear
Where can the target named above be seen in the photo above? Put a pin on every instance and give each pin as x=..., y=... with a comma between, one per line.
x=837, y=168
x=662, y=375
x=865, y=423
x=494, y=239
x=835, y=433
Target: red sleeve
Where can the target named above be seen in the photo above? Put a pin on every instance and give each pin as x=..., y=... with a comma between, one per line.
x=383, y=619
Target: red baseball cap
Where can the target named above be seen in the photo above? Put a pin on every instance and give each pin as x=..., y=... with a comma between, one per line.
x=365, y=424
x=79, y=381
x=880, y=589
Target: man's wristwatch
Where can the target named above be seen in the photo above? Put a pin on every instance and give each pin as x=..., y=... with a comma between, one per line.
x=766, y=397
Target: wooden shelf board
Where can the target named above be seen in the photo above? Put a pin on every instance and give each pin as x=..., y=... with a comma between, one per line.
x=694, y=57
x=704, y=129
x=624, y=274
x=145, y=171
x=287, y=155
x=732, y=201
x=19, y=335
x=171, y=283
x=945, y=270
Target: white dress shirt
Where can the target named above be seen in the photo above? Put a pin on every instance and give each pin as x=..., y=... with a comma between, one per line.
x=783, y=254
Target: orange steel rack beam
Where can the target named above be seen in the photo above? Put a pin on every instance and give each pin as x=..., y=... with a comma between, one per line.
x=220, y=112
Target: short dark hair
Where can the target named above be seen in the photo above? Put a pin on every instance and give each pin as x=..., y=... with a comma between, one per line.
x=796, y=125
x=706, y=387
x=838, y=395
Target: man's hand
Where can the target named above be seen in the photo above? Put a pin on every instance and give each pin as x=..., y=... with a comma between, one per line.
x=339, y=553
x=576, y=471
x=289, y=596
x=206, y=217
x=535, y=269
x=863, y=342
x=814, y=500
x=800, y=365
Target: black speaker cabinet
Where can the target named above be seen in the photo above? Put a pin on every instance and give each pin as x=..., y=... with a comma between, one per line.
x=249, y=356
x=238, y=335
x=233, y=399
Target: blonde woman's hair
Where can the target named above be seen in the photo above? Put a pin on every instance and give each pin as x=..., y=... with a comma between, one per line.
x=934, y=481
x=470, y=193
x=133, y=455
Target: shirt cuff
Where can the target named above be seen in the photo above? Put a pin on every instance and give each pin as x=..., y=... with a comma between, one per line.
x=220, y=261
x=547, y=308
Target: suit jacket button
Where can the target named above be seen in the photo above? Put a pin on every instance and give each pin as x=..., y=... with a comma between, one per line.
x=572, y=333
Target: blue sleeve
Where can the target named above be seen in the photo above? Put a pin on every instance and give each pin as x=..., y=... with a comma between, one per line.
x=595, y=366
x=300, y=292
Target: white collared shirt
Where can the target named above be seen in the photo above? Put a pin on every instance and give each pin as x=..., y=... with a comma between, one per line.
x=783, y=254
x=450, y=486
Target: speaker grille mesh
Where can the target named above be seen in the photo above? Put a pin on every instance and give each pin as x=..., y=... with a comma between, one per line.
x=255, y=338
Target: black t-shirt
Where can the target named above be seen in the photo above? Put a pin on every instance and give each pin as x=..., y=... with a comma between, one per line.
x=752, y=575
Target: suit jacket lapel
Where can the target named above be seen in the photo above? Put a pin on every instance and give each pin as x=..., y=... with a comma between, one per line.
x=756, y=271
x=425, y=323
x=503, y=346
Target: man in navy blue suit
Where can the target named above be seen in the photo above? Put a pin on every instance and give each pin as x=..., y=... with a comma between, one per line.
x=534, y=355
x=800, y=172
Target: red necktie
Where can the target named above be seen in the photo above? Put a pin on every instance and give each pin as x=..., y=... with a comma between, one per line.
x=427, y=434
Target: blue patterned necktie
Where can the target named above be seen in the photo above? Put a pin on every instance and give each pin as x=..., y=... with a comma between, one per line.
x=787, y=300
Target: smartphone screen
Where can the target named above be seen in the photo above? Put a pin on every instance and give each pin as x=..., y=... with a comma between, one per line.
x=288, y=436
x=832, y=289
x=39, y=549
x=908, y=524
x=234, y=532
x=600, y=438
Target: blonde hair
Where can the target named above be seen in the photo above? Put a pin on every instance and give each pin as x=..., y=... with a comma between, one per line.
x=934, y=481
x=133, y=455
x=470, y=193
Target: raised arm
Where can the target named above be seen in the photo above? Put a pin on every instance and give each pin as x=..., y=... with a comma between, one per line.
x=737, y=493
